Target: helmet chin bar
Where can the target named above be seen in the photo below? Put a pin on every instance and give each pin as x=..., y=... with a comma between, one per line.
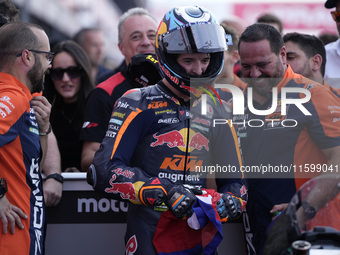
x=184, y=81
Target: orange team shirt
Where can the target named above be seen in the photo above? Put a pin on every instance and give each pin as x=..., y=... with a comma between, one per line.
x=37, y=94
x=20, y=155
x=334, y=90
x=239, y=83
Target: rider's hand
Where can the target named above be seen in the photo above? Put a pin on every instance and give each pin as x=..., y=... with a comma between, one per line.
x=229, y=207
x=178, y=198
x=180, y=201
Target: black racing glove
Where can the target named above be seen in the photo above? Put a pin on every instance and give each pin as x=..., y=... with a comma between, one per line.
x=154, y=191
x=144, y=69
x=180, y=201
x=229, y=207
x=176, y=197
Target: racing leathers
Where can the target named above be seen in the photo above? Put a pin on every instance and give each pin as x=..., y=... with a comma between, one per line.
x=153, y=133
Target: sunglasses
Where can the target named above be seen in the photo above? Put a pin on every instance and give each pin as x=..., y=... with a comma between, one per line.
x=336, y=16
x=72, y=72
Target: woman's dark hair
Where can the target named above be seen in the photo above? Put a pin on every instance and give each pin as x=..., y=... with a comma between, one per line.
x=86, y=82
x=8, y=12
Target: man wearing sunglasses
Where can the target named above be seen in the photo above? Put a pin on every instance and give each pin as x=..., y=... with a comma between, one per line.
x=332, y=76
x=51, y=168
x=24, y=127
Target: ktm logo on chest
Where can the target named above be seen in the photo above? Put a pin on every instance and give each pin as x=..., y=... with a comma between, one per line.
x=158, y=104
x=178, y=162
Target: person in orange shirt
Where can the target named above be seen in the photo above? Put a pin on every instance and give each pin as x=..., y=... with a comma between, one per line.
x=291, y=142
x=52, y=164
x=25, y=57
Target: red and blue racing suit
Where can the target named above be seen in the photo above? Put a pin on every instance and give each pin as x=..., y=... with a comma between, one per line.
x=152, y=133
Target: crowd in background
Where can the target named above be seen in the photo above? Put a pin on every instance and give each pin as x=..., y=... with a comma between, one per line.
x=91, y=40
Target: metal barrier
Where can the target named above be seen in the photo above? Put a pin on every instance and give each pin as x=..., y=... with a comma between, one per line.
x=86, y=223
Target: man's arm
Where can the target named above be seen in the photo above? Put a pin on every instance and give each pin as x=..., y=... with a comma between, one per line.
x=89, y=149
x=97, y=113
x=328, y=186
x=52, y=187
x=333, y=155
x=325, y=189
x=42, y=110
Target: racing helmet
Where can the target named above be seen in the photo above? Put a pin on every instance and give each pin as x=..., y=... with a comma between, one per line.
x=189, y=29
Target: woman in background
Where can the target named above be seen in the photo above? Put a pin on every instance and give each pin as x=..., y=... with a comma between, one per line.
x=67, y=86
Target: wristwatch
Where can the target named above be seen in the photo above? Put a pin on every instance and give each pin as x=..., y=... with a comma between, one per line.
x=48, y=131
x=3, y=187
x=56, y=176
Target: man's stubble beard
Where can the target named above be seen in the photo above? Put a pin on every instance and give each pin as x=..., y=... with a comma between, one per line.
x=36, y=77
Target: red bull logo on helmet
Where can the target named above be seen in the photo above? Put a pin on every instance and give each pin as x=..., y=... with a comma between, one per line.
x=177, y=139
x=167, y=73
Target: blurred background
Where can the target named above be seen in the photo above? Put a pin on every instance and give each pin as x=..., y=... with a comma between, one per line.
x=63, y=18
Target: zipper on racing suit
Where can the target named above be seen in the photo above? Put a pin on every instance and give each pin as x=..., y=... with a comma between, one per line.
x=187, y=125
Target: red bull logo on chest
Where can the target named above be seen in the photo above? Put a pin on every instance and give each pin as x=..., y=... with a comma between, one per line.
x=171, y=139
x=178, y=139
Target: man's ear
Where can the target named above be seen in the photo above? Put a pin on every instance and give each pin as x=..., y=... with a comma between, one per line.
x=27, y=57
x=283, y=55
x=235, y=56
x=121, y=48
x=316, y=62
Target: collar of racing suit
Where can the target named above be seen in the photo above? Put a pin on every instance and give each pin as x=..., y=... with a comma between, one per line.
x=170, y=93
